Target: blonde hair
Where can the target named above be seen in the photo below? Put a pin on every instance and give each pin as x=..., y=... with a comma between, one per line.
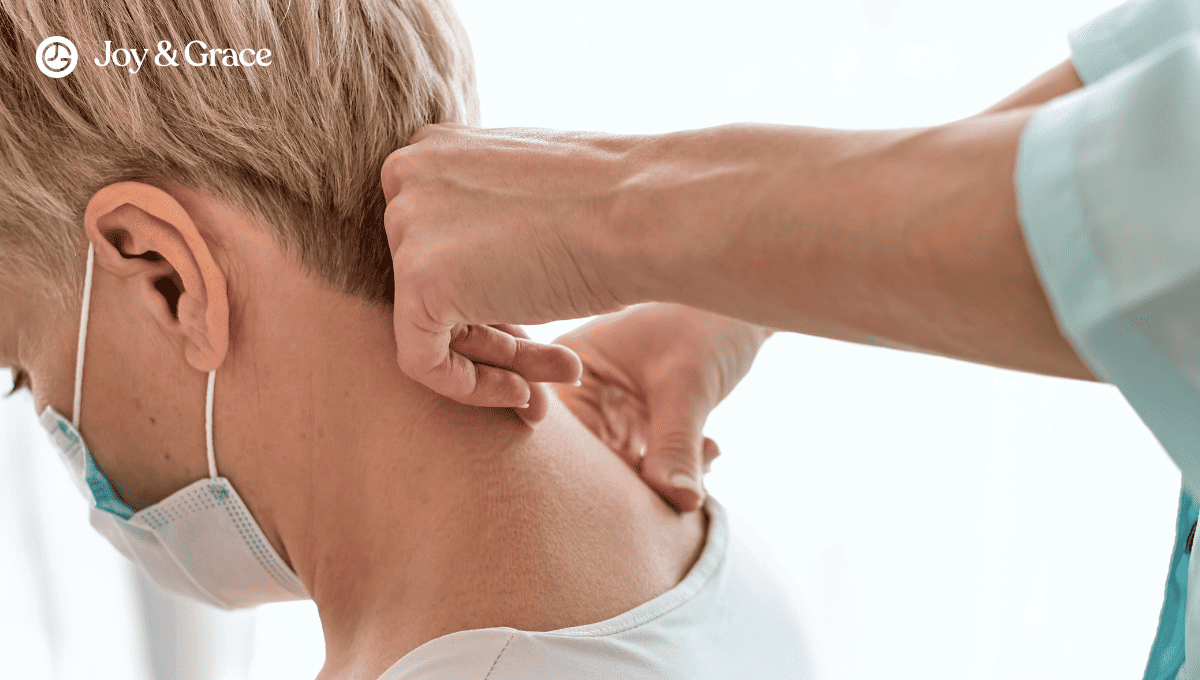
x=298, y=143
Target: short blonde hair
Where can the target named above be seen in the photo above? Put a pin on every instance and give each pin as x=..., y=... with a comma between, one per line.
x=298, y=143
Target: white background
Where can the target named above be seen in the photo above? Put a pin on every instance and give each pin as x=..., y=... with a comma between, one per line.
x=943, y=520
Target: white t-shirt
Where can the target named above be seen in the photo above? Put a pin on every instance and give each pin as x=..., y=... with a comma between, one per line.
x=734, y=616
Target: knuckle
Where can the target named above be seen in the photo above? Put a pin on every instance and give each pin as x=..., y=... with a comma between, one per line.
x=417, y=312
x=410, y=315
x=461, y=334
x=397, y=169
x=517, y=348
x=433, y=309
x=391, y=164
x=406, y=212
x=677, y=445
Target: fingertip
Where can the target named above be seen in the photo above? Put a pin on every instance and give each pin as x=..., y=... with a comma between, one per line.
x=679, y=487
x=564, y=363
x=537, y=407
x=681, y=480
x=526, y=416
x=685, y=499
x=577, y=363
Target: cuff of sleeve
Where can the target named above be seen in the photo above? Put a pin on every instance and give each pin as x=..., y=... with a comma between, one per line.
x=1058, y=235
x=1051, y=216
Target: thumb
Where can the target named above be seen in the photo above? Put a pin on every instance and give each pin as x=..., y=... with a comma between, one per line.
x=674, y=461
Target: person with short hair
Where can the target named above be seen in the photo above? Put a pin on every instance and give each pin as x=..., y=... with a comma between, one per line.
x=197, y=290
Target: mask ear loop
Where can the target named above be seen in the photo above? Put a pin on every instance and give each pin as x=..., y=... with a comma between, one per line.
x=208, y=424
x=83, y=325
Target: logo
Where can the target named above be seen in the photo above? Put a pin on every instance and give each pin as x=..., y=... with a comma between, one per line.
x=57, y=56
x=133, y=58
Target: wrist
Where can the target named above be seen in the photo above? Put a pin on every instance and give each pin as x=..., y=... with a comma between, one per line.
x=669, y=218
x=625, y=228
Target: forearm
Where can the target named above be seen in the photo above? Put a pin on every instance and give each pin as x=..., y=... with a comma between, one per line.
x=903, y=238
x=1053, y=83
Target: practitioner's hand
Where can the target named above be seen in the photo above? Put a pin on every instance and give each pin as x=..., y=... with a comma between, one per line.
x=652, y=374
x=491, y=227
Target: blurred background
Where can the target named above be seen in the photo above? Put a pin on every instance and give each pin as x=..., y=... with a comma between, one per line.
x=942, y=520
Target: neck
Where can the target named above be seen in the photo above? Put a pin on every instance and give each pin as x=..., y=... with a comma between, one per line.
x=408, y=516
x=518, y=530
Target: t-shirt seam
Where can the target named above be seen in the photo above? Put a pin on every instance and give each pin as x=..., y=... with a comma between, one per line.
x=500, y=654
x=650, y=616
x=682, y=598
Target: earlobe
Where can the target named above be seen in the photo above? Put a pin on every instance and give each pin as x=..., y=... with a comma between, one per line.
x=155, y=221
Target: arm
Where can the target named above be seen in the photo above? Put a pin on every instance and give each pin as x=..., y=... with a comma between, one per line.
x=1100, y=47
x=901, y=237
x=495, y=226
x=1053, y=83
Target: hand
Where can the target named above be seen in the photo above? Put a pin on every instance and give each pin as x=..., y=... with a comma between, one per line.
x=489, y=227
x=652, y=374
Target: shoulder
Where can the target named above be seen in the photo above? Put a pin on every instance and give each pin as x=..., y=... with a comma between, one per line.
x=735, y=614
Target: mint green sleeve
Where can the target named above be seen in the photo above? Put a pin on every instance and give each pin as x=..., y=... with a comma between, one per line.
x=1108, y=190
x=1127, y=32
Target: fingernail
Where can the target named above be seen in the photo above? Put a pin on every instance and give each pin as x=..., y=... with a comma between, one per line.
x=578, y=383
x=682, y=479
x=525, y=406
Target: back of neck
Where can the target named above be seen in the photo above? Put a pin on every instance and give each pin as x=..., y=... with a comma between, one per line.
x=480, y=522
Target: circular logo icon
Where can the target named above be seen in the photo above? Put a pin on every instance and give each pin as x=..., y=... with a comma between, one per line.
x=57, y=56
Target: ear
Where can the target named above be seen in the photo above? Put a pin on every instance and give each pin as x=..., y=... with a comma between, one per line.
x=141, y=233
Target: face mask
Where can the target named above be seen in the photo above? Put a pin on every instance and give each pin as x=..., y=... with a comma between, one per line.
x=200, y=541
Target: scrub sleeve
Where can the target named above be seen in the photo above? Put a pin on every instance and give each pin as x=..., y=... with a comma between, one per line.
x=1108, y=187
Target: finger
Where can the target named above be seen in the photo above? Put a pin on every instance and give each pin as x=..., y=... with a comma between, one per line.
x=540, y=362
x=624, y=416
x=424, y=355
x=710, y=451
x=539, y=404
x=674, y=460
x=501, y=346
x=539, y=393
x=496, y=387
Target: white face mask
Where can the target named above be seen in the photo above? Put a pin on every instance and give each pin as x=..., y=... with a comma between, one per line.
x=200, y=541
